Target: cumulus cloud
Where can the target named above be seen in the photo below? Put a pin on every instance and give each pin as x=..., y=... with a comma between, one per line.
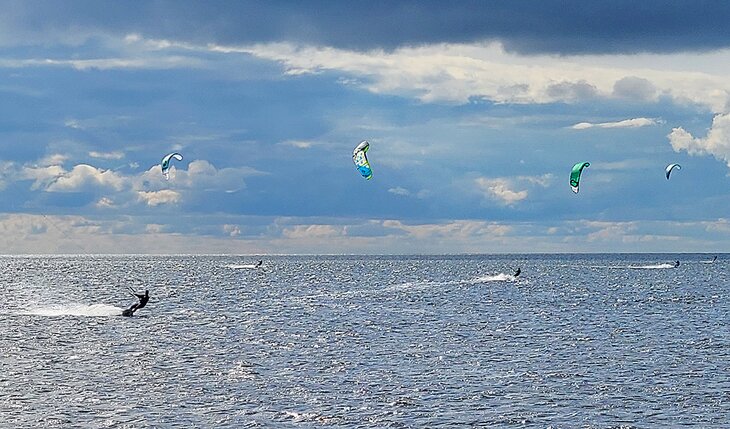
x=500, y=190
x=203, y=175
x=42, y=176
x=626, y=123
x=155, y=198
x=84, y=177
x=716, y=143
x=509, y=191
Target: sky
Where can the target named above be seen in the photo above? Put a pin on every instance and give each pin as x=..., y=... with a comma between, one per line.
x=475, y=112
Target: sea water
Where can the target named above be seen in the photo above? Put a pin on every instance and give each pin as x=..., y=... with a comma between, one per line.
x=576, y=341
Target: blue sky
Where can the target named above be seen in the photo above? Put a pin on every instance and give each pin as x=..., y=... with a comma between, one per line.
x=475, y=112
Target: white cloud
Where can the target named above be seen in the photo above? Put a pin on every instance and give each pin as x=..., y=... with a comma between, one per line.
x=232, y=230
x=500, y=190
x=203, y=175
x=399, y=191
x=457, y=73
x=42, y=176
x=448, y=73
x=155, y=198
x=312, y=231
x=721, y=226
x=627, y=123
x=105, y=202
x=456, y=230
x=151, y=62
x=509, y=190
x=83, y=177
x=716, y=143
x=107, y=155
x=299, y=144
x=610, y=231
x=55, y=159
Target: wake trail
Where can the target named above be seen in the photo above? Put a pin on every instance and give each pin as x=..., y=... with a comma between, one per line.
x=241, y=266
x=501, y=277
x=94, y=310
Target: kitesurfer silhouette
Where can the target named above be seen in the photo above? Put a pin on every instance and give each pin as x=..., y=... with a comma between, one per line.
x=676, y=264
x=517, y=272
x=136, y=306
x=258, y=264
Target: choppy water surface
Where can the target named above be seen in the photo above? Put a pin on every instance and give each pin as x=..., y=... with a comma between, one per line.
x=590, y=341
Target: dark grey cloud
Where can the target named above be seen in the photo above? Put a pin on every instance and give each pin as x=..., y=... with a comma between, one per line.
x=554, y=26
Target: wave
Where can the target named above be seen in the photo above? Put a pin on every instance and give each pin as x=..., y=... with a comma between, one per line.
x=94, y=310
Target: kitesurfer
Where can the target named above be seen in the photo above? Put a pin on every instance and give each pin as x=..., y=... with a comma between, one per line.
x=676, y=264
x=258, y=264
x=136, y=306
x=517, y=272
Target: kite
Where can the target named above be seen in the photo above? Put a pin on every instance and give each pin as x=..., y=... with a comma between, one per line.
x=575, y=175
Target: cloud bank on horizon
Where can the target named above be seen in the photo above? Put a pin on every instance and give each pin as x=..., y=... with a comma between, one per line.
x=475, y=113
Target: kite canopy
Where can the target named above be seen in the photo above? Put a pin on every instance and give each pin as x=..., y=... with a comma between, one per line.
x=361, y=160
x=165, y=164
x=575, y=175
x=671, y=167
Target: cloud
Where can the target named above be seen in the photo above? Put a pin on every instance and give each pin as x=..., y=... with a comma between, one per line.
x=203, y=175
x=635, y=88
x=84, y=177
x=506, y=190
x=232, y=230
x=610, y=231
x=626, y=123
x=500, y=190
x=458, y=73
x=399, y=191
x=312, y=231
x=299, y=144
x=444, y=72
x=552, y=26
x=42, y=176
x=55, y=159
x=106, y=155
x=155, y=198
x=716, y=143
x=456, y=230
x=105, y=202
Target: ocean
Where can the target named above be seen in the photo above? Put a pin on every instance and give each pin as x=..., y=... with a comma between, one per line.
x=576, y=341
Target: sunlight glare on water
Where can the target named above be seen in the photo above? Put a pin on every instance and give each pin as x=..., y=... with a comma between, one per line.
x=366, y=341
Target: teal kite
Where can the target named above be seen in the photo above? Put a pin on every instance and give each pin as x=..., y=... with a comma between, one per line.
x=575, y=175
